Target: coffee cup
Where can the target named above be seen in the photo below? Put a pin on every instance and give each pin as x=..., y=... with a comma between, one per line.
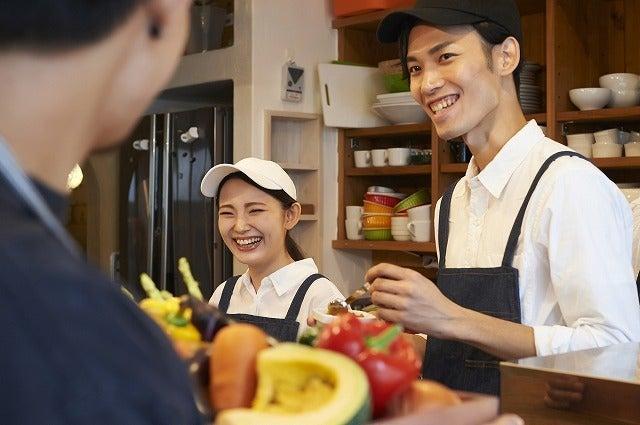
x=420, y=213
x=354, y=229
x=354, y=212
x=399, y=156
x=362, y=158
x=380, y=157
x=420, y=230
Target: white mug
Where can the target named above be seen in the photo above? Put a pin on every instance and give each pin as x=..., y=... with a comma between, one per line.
x=420, y=230
x=354, y=212
x=380, y=157
x=399, y=222
x=354, y=229
x=362, y=158
x=399, y=156
x=420, y=213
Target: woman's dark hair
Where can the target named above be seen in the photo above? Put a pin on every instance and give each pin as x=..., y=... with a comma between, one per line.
x=285, y=200
x=491, y=34
x=50, y=25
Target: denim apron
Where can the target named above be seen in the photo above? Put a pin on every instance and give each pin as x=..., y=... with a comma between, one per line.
x=492, y=291
x=281, y=329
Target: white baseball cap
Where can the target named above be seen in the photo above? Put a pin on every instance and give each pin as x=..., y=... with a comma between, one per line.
x=264, y=173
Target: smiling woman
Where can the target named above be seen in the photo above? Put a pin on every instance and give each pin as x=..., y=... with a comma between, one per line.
x=257, y=208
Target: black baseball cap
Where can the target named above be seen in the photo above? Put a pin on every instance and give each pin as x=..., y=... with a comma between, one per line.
x=453, y=12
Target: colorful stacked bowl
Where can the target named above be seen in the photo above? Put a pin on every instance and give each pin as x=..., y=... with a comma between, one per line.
x=413, y=200
x=378, y=209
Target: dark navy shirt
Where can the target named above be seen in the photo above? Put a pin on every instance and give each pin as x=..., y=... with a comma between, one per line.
x=73, y=348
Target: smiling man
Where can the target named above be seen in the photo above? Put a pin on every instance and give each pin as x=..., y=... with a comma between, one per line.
x=534, y=242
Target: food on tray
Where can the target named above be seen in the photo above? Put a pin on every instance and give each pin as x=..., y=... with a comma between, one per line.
x=336, y=307
x=386, y=356
x=302, y=385
x=232, y=367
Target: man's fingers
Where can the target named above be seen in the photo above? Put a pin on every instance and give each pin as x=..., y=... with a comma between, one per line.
x=387, y=300
x=389, y=286
x=386, y=270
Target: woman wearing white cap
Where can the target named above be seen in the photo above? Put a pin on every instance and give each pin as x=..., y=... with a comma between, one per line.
x=257, y=208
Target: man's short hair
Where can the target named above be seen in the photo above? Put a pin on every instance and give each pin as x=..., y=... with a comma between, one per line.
x=491, y=34
x=50, y=25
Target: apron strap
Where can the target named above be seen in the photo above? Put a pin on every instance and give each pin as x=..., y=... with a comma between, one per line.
x=443, y=224
x=227, y=291
x=512, y=242
x=296, y=304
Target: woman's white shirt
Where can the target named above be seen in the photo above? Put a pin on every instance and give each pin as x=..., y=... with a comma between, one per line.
x=276, y=292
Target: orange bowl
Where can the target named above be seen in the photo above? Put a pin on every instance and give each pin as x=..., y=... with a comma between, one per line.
x=376, y=221
x=374, y=208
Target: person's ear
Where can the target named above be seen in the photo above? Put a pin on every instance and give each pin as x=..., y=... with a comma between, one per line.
x=506, y=56
x=292, y=216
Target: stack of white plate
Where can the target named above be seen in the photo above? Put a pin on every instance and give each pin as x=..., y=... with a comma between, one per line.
x=530, y=93
x=399, y=108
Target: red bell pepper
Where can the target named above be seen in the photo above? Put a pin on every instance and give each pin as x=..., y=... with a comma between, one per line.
x=388, y=359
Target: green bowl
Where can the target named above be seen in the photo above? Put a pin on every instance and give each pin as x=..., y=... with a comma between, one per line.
x=414, y=200
x=377, y=234
x=395, y=84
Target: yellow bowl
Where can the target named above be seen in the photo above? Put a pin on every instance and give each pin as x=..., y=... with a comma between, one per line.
x=376, y=222
x=373, y=208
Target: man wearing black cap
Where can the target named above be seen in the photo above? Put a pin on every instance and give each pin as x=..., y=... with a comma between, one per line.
x=534, y=242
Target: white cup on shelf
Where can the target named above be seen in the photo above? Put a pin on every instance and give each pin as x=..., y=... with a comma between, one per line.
x=420, y=213
x=354, y=212
x=399, y=156
x=420, y=230
x=605, y=137
x=354, y=230
x=362, y=158
x=380, y=157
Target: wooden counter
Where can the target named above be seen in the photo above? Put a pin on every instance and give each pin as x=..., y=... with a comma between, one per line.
x=610, y=378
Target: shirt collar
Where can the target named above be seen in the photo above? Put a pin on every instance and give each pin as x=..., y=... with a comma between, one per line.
x=498, y=172
x=287, y=277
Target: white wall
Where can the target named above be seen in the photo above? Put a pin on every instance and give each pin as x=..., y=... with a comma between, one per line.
x=302, y=29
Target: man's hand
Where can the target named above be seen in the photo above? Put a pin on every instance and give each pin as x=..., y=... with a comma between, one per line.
x=406, y=297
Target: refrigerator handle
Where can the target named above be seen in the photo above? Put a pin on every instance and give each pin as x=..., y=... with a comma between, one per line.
x=165, y=202
x=152, y=195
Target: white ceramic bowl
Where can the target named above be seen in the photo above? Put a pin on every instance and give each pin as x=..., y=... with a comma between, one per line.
x=632, y=149
x=620, y=80
x=605, y=137
x=624, y=98
x=587, y=99
x=400, y=113
x=403, y=97
x=585, y=151
x=582, y=139
x=609, y=150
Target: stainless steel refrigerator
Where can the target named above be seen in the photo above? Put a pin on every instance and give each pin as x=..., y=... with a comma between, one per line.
x=163, y=215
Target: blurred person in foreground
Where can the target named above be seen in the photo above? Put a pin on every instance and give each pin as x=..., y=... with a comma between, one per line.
x=75, y=76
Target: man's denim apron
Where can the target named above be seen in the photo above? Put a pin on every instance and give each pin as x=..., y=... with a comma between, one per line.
x=492, y=291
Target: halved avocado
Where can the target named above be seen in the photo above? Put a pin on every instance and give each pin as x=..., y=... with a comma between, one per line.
x=300, y=385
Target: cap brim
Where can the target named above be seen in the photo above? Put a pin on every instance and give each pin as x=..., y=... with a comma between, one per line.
x=212, y=179
x=389, y=28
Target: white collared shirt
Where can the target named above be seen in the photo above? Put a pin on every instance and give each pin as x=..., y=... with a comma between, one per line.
x=577, y=288
x=276, y=293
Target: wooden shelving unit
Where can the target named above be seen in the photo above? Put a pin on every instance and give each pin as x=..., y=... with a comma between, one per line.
x=575, y=41
x=293, y=140
x=408, y=170
x=422, y=247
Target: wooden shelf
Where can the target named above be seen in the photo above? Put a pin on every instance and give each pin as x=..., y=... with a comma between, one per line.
x=614, y=114
x=391, y=130
x=367, y=21
x=309, y=217
x=540, y=117
x=617, y=163
x=454, y=168
x=407, y=170
x=297, y=167
x=427, y=247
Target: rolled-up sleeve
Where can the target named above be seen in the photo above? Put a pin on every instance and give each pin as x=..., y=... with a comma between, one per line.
x=587, y=230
